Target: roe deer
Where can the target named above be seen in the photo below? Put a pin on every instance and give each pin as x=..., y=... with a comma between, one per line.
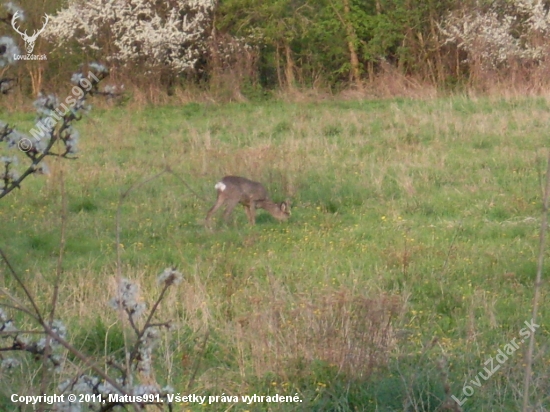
x=234, y=189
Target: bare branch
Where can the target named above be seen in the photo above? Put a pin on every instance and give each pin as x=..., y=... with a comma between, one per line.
x=538, y=284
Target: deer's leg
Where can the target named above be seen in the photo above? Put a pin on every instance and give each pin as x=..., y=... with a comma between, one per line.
x=247, y=211
x=219, y=202
x=230, y=205
x=252, y=213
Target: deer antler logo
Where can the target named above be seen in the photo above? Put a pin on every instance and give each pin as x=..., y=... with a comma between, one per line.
x=29, y=40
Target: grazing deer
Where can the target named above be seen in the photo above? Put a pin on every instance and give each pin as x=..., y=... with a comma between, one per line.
x=234, y=189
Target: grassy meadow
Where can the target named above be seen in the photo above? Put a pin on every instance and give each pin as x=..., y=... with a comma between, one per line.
x=409, y=259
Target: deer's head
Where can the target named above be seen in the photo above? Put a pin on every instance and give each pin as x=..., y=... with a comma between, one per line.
x=29, y=40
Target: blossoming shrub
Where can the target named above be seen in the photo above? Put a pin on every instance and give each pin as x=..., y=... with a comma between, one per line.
x=501, y=36
x=149, y=34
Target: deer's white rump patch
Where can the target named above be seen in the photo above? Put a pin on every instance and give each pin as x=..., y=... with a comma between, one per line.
x=220, y=186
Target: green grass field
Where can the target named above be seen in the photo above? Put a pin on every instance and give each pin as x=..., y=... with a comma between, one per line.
x=409, y=259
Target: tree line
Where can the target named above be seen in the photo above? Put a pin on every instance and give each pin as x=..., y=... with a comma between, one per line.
x=255, y=45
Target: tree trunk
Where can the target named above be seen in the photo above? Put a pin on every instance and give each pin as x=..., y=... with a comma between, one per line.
x=289, y=68
x=438, y=59
x=35, y=74
x=355, y=74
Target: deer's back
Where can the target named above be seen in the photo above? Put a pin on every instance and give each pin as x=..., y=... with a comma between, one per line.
x=245, y=189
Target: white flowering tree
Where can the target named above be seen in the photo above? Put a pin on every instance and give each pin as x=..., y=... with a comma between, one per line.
x=501, y=34
x=170, y=34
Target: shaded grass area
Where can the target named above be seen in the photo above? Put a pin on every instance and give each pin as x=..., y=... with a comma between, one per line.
x=408, y=261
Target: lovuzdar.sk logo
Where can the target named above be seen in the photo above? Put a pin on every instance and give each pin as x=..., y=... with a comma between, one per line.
x=29, y=40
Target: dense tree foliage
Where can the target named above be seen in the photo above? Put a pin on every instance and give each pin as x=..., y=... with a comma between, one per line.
x=294, y=43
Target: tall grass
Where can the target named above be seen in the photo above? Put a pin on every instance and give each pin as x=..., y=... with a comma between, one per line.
x=410, y=254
